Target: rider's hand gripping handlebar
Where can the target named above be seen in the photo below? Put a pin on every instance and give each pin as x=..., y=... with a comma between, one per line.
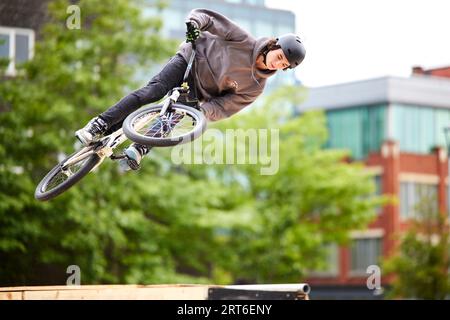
x=192, y=32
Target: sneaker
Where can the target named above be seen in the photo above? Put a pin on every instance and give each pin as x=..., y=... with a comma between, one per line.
x=133, y=156
x=92, y=132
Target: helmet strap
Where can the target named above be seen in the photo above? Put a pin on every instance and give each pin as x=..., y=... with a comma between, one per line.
x=265, y=52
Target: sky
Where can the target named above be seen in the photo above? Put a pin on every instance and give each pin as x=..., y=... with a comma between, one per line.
x=350, y=40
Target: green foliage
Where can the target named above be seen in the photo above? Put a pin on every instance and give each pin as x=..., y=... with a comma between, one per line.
x=166, y=223
x=421, y=265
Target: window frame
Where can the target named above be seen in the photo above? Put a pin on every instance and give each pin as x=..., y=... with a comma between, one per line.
x=371, y=234
x=11, y=32
x=410, y=189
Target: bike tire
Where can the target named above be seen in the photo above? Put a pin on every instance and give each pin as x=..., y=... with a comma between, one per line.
x=42, y=195
x=133, y=135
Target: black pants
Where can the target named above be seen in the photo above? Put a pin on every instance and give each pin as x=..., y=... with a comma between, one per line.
x=169, y=77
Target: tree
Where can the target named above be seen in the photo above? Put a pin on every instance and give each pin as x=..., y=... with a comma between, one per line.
x=421, y=265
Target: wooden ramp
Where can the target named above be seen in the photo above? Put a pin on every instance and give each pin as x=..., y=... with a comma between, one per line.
x=159, y=292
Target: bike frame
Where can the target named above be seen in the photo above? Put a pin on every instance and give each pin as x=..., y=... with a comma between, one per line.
x=104, y=148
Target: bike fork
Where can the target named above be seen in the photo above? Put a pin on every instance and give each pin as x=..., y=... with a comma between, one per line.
x=172, y=99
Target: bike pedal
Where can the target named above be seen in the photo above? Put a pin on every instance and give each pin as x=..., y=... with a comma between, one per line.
x=133, y=164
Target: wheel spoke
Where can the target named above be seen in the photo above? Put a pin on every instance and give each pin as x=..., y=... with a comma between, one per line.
x=67, y=172
x=64, y=174
x=176, y=124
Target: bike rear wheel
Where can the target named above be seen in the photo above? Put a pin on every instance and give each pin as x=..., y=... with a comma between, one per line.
x=180, y=124
x=61, y=178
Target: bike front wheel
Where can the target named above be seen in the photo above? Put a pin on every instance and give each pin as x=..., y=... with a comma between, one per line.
x=65, y=175
x=180, y=124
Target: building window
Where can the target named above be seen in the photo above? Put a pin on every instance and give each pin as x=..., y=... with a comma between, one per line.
x=378, y=191
x=378, y=185
x=418, y=129
x=4, y=46
x=16, y=45
x=411, y=196
x=364, y=252
x=359, y=129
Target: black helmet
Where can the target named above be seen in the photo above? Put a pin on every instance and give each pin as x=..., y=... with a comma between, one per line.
x=293, y=49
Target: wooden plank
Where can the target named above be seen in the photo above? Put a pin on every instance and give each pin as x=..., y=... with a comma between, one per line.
x=11, y=295
x=38, y=288
x=154, y=293
x=96, y=287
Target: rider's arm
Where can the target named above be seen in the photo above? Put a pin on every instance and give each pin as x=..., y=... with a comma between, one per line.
x=225, y=106
x=217, y=24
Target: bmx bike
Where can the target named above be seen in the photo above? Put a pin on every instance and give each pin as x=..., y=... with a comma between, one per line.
x=167, y=124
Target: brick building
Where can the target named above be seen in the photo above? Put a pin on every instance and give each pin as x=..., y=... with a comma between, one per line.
x=396, y=127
